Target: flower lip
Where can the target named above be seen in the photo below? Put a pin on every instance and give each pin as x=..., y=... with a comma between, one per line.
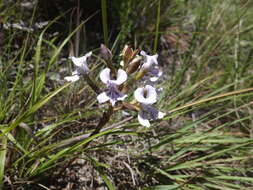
x=106, y=77
x=146, y=95
x=112, y=94
x=143, y=122
x=148, y=112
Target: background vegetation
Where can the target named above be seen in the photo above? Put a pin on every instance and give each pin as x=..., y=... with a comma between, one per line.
x=204, y=142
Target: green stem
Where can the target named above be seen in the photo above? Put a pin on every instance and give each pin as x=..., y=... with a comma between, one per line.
x=105, y=118
x=103, y=121
x=93, y=86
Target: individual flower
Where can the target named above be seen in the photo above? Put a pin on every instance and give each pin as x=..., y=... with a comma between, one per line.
x=112, y=92
x=147, y=96
x=81, y=67
x=149, y=60
x=151, y=66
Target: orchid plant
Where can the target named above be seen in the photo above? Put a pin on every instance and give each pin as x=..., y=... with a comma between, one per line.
x=118, y=82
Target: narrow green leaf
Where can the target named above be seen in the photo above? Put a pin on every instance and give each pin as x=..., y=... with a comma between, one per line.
x=104, y=21
x=3, y=151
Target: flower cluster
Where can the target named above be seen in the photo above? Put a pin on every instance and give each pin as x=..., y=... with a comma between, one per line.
x=135, y=65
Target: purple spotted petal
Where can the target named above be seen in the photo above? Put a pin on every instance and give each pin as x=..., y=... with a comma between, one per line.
x=113, y=92
x=148, y=112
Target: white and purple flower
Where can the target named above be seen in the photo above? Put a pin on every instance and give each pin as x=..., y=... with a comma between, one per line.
x=112, y=92
x=147, y=96
x=149, y=60
x=81, y=67
x=151, y=65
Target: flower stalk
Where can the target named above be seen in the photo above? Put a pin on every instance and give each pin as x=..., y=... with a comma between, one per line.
x=92, y=85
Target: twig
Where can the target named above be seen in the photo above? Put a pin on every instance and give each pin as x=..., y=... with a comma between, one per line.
x=131, y=172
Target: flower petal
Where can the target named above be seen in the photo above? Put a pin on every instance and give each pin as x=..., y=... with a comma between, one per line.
x=139, y=95
x=121, y=77
x=102, y=97
x=105, y=75
x=88, y=54
x=149, y=60
x=150, y=97
x=143, y=122
x=153, y=79
x=151, y=94
x=146, y=65
x=78, y=61
x=154, y=58
x=72, y=78
x=161, y=115
x=81, y=61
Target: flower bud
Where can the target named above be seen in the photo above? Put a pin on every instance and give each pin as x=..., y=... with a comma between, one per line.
x=134, y=65
x=106, y=53
x=128, y=55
